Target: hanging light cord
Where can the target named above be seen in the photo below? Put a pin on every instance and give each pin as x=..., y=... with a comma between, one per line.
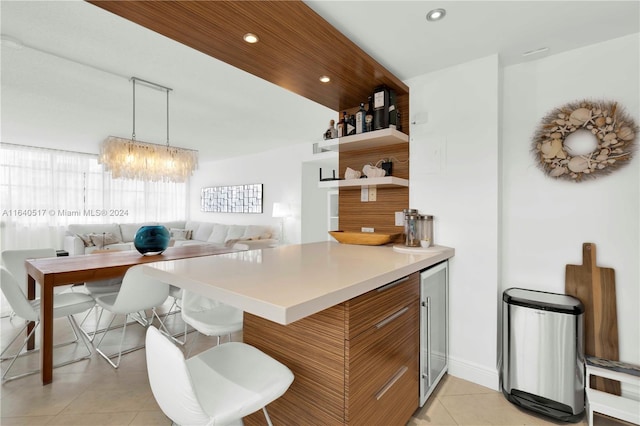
x=133, y=134
x=154, y=86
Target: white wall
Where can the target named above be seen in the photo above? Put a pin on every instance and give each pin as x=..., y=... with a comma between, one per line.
x=546, y=220
x=280, y=172
x=454, y=176
x=511, y=226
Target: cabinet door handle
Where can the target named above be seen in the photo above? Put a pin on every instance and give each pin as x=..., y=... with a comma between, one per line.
x=392, y=284
x=392, y=382
x=391, y=317
x=429, y=341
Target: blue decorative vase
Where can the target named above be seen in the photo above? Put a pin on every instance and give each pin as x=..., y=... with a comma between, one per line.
x=152, y=239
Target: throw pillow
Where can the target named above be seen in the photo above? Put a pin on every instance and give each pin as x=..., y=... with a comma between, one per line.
x=180, y=234
x=86, y=239
x=235, y=232
x=101, y=240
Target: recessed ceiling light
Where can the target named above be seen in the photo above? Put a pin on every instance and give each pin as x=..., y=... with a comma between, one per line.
x=250, y=38
x=325, y=79
x=436, y=15
x=535, y=52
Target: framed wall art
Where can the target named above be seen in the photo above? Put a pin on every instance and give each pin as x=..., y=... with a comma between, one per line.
x=232, y=199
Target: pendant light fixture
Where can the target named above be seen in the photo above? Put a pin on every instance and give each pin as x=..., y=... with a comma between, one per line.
x=132, y=159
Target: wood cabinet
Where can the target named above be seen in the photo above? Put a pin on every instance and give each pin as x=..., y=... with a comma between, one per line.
x=354, y=364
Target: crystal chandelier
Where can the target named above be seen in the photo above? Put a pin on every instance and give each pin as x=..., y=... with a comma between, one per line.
x=132, y=159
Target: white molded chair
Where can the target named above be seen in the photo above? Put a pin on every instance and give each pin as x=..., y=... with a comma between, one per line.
x=64, y=305
x=216, y=387
x=138, y=292
x=210, y=317
x=13, y=260
x=96, y=289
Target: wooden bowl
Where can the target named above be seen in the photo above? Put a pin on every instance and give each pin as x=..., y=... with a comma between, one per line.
x=363, y=238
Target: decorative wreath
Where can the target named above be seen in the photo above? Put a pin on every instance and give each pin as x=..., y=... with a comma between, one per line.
x=614, y=129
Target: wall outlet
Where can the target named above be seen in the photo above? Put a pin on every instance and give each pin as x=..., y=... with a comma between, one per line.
x=366, y=229
x=364, y=194
x=373, y=193
x=399, y=219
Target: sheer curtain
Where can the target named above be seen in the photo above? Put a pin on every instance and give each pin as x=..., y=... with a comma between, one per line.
x=44, y=190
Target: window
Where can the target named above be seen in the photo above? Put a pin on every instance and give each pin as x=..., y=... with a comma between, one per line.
x=42, y=191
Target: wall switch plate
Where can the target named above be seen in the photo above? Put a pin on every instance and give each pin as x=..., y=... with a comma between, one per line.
x=364, y=194
x=366, y=229
x=399, y=219
x=373, y=193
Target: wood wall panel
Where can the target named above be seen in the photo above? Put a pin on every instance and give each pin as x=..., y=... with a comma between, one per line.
x=379, y=214
x=313, y=348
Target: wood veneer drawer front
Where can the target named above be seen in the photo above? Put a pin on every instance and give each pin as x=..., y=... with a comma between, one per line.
x=364, y=311
x=382, y=371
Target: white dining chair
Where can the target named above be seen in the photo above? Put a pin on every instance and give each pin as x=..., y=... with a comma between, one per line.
x=64, y=305
x=138, y=292
x=217, y=387
x=210, y=317
x=13, y=260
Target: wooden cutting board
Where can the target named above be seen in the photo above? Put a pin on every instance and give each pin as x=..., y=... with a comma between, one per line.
x=595, y=287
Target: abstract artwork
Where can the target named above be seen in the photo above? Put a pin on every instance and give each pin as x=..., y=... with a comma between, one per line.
x=232, y=199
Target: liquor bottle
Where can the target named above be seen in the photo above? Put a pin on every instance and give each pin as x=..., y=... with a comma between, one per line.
x=368, y=118
x=380, y=108
x=341, y=128
x=351, y=125
x=360, y=119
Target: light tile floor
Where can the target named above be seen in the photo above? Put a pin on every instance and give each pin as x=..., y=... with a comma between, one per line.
x=92, y=393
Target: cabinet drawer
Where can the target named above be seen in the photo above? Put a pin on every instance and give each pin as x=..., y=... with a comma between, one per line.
x=364, y=311
x=382, y=370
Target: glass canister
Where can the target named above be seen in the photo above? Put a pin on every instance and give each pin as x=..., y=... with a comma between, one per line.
x=425, y=230
x=411, y=228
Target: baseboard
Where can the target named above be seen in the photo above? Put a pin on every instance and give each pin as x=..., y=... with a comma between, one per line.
x=475, y=373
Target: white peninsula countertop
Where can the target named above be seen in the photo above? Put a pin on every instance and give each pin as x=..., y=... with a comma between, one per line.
x=287, y=283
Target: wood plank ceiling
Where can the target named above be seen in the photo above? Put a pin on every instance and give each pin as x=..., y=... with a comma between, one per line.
x=297, y=46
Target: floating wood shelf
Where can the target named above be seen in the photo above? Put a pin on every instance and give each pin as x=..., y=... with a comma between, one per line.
x=377, y=138
x=381, y=182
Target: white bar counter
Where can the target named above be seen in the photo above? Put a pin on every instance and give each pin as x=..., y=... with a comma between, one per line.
x=288, y=283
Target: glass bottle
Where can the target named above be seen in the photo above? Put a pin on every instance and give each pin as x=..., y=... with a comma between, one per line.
x=368, y=120
x=360, y=119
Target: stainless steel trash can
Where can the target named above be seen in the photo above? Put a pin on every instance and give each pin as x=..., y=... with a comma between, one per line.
x=542, y=357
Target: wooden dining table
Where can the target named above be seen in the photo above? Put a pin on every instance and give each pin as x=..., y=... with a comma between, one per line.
x=58, y=271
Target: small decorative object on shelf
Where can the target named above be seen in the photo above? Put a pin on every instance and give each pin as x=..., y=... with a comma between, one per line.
x=352, y=174
x=331, y=132
x=372, y=171
x=152, y=239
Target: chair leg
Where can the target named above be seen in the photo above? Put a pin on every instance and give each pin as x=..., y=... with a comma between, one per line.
x=108, y=357
x=266, y=415
x=120, y=352
x=193, y=344
x=77, y=334
x=164, y=329
x=4, y=376
x=2, y=357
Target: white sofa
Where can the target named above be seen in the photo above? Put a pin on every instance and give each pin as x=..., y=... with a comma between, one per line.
x=85, y=238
